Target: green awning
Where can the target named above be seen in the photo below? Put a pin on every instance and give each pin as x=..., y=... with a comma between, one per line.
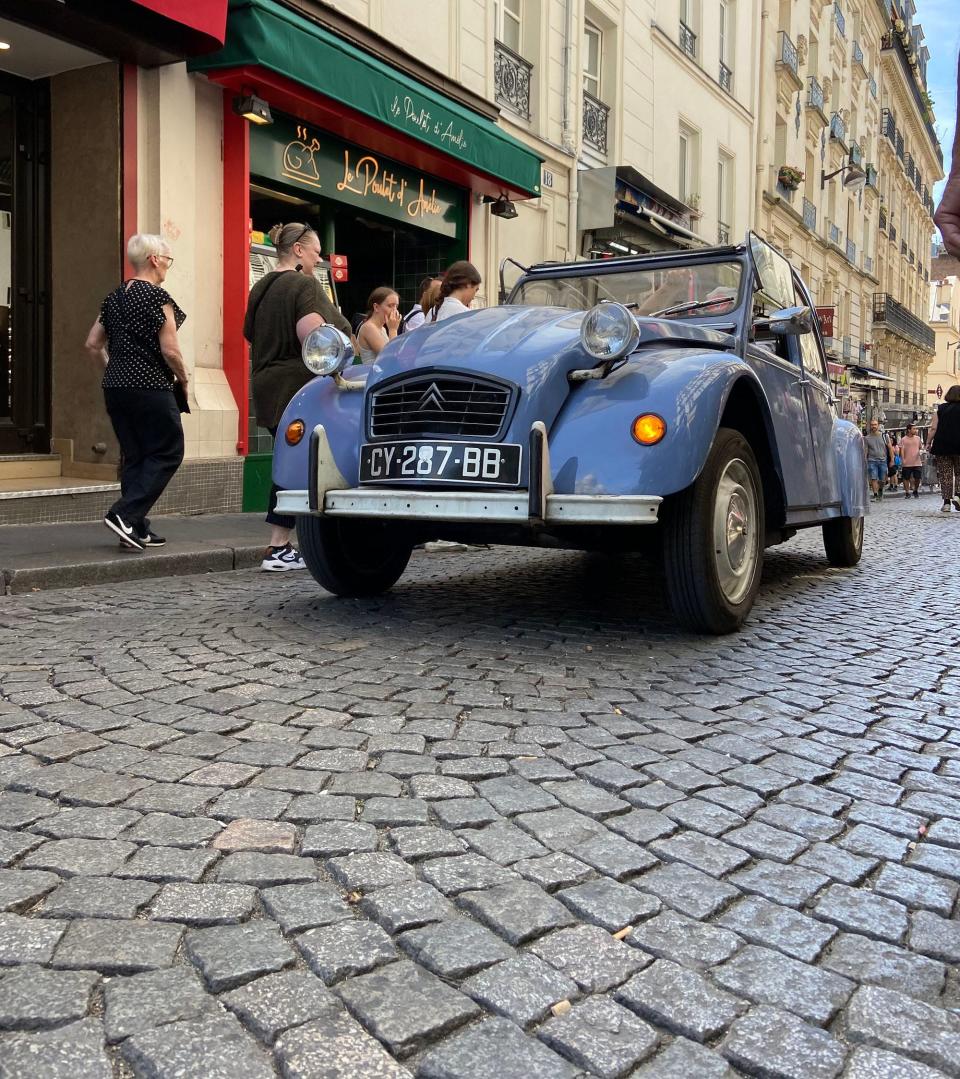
x=266, y=34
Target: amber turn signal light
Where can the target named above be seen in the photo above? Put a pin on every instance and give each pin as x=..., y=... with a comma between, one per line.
x=648, y=429
x=295, y=432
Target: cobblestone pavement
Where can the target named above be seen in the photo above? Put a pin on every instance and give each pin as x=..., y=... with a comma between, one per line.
x=505, y=822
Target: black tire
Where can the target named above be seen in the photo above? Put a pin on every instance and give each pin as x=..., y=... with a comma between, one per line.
x=843, y=540
x=713, y=539
x=352, y=558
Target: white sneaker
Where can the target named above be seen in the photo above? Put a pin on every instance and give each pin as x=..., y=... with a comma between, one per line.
x=281, y=559
x=946, y=508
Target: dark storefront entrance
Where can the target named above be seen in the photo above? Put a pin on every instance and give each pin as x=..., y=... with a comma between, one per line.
x=24, y=287
x=394, y=224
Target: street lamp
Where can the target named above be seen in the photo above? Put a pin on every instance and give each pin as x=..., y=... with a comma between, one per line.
x=853, y=181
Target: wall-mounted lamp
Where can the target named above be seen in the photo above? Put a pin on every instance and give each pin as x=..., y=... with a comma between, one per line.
x=253, y=108
x=501, y=207
x=853, y=181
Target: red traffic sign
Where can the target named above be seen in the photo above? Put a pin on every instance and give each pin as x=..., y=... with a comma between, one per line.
x=338, y=262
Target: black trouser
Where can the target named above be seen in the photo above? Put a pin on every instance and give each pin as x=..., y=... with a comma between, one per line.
x=281, y=520
x=148, y=428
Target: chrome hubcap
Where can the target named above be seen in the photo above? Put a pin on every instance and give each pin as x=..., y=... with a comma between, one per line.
x=856, y=531
x=735, y=540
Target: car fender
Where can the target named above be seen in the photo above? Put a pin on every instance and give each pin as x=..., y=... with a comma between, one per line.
x=851, y=469
x=340, y=411
x=592, y=448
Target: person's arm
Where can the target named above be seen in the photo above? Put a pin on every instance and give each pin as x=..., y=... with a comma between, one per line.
x=170, y=346
x=947, y=217
x=96, y=343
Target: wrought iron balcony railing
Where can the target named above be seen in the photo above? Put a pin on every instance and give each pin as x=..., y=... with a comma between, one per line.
x=873, y=180
x=856, y=154
x=688, y=40
x=868, y=263
x=834, y=234
x=809, y=215
x=857, y=53
x=511, y=79
x=873, y=86
x=847, y=349
x=723, y=233
x=787, y=55
x=838, y=129
x=896, y=318
x=893, y=233
x=815, y=96
x=595, y=118
x=900, y=146
x=888, y=126
x=851, y=252
x=838, y=18
x=726, y=78
x=882, y=218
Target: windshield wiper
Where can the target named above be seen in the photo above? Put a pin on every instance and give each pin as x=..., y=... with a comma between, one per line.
x=692, y=305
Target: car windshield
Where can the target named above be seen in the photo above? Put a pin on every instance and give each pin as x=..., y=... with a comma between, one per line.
x=699, y=290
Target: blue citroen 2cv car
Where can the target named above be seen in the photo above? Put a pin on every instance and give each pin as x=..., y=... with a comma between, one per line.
x=681, y=396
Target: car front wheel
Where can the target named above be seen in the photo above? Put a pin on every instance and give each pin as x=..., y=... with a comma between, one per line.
x=352, y=558
x=713, y=539
x=843, y=540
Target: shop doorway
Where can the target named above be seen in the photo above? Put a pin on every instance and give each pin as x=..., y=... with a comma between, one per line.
x=379, y=250
x=24, y=286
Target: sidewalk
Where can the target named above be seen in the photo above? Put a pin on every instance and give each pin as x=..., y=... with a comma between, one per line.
x=44, y=556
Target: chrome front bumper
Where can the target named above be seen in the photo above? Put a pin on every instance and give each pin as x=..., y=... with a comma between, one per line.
x=330, y=496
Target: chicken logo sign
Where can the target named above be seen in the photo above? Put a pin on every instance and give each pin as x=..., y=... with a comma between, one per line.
x=298, y=159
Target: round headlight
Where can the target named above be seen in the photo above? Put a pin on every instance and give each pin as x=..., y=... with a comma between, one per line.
x=609, y=331
x=326, y=350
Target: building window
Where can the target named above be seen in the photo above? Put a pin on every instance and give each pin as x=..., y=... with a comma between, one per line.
x=688, y=27
x=727, y=32
x=508, y=16
x=724, y=198
x=688, y=167
x=592, y=52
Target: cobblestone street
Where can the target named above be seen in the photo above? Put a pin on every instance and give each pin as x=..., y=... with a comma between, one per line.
x=506, y=822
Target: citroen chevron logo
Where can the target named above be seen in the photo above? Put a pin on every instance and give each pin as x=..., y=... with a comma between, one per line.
x=432, y=400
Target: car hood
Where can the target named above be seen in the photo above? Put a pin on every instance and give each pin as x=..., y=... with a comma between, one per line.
x=529, y=346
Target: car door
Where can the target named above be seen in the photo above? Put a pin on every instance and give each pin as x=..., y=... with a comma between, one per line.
x=821, y=406
x=778, y=366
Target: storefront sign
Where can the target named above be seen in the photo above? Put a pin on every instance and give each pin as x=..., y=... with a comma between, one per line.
x=313, y=161
x=825, y=314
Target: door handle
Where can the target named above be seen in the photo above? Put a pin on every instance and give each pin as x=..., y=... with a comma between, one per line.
x=803, y=381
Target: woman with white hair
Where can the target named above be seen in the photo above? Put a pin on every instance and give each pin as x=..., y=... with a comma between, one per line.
x=135, y=338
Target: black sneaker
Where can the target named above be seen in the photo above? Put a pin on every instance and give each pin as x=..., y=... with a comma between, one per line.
x=151, y=539
x=127, y=534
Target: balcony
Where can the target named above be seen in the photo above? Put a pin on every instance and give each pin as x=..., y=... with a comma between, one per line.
x=847, y=350
x=873, y=87
x=838, y=129
x=893, y=233
x=816, y=99
x=873, y=179
x=839, y=21
x=511, y=80
x=851, y=252
x=888, y=126
x=856, y=154
x=688, y=40
x=788, y=61
x=892, y=44
x=868, y=263
x=859, y=66
x=595, y=117
x=834, y=234
x=882, y=219
x=723, y=233
x=726, y=78
x=893, y=316
x=900, y=146
x=903, y=248
x=809, y=215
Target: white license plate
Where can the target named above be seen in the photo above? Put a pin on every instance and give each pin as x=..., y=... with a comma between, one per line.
x=495, y=465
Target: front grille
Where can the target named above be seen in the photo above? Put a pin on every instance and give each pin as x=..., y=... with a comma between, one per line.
x=439, y=406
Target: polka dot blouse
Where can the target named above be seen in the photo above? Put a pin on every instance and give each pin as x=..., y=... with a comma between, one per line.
x=132, y=318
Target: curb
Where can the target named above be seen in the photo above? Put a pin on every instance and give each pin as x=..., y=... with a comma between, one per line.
x=131, y=567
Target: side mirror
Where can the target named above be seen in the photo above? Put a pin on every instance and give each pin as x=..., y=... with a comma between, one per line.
x=788, y=321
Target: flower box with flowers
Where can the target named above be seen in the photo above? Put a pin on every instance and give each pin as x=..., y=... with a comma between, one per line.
x=789, y=177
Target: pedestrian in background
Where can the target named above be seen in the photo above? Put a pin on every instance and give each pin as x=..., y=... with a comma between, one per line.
x=381, y=324
x=893, y=471
x=911, y=448
x=135, y=338
x=283, y=307
x=878, y=459
x=426, y=298
x=945, y=446
x=458, y=289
